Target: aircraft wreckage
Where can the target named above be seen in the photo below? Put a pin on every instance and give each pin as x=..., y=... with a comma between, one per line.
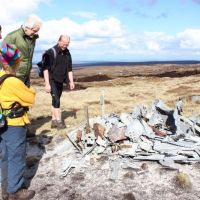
x=155, y=133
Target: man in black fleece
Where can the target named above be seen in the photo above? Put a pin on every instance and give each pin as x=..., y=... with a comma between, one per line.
x=58, y=70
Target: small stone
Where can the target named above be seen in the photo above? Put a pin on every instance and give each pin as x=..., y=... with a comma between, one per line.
x=144, y=166
x=129, y=175
x=129, y=196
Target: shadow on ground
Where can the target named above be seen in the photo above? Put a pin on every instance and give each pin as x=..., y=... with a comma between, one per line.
x=37, y=123
x=36, y=143
x=71, y=113
x=35, y=151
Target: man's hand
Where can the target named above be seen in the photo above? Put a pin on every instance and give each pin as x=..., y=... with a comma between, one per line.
x=71, y=85
x=47, y=88
x=71, y=81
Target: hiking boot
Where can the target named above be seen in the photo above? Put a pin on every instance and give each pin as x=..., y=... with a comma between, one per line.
x=4, y=193
x=54, y=124
x=22, y=194
x=60, y=125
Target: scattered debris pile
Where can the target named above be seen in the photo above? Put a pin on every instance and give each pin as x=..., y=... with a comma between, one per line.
x=158, y=133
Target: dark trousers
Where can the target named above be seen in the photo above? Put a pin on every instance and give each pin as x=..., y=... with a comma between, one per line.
x=56, y=92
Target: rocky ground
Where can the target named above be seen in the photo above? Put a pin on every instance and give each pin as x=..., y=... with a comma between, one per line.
x=93, y=180
x=49, y=150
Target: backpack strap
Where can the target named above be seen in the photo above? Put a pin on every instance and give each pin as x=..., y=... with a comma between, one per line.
x=54, y=59
x=4, y=77
x=54, y=52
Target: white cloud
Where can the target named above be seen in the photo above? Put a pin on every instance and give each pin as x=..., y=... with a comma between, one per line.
x=110, y=27
x=157, y=41
x=52, y=29
x=153, y=46
x=12, y=10
x=190, y=38
x=8, y=28
x=197, y=53
x=105, y=38
x=86, y=35
x=121, y=43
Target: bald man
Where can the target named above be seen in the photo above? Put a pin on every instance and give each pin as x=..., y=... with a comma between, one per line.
x=58, y=71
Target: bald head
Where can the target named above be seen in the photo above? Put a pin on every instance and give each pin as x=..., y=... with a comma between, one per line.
x=63, y=41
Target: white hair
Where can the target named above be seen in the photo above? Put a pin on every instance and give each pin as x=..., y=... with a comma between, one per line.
x=32, y=21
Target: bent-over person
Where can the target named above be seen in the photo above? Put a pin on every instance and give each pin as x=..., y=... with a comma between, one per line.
x=24, y=39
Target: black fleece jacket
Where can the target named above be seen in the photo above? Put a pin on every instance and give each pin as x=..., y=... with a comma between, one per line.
x=60, y=66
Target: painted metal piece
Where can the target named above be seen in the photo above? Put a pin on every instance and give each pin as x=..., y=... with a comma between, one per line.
x=115, y=167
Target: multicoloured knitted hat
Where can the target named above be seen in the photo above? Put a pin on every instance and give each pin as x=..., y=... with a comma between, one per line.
x=9, y=54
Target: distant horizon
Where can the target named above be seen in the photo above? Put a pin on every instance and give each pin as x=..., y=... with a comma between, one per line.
x=113, y=63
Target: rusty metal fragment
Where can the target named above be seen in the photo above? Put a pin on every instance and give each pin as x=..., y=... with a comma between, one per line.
x=78, y=136
x=99, y=130
x=116, y=133
x=158, y=132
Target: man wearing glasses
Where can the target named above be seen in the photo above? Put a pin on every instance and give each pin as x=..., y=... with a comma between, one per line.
x=24, y=38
